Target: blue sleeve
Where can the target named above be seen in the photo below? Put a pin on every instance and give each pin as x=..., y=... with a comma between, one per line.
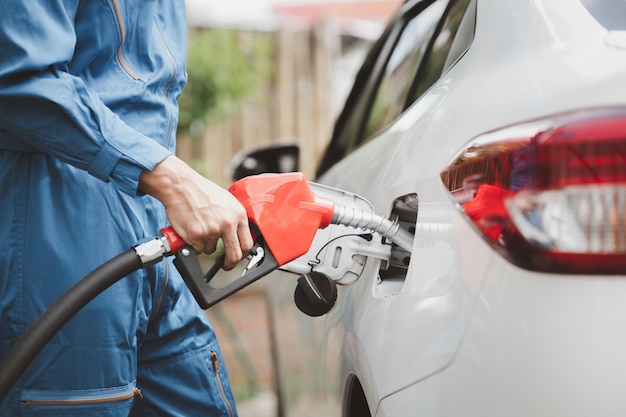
x=43, y=104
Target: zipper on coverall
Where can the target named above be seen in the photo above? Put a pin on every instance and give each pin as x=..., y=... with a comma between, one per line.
x=216, y=371
x=120, y=57
x=86, y=401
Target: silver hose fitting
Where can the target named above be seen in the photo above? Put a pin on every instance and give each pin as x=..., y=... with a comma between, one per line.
x=359, y=219
x=152, y=251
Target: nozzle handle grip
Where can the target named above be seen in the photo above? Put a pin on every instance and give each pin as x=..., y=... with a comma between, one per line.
x=206, y=295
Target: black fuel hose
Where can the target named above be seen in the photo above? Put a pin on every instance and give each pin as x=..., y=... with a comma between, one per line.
x=60, y=312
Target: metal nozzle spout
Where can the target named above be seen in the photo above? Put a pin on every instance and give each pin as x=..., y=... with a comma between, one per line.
x=360, y=219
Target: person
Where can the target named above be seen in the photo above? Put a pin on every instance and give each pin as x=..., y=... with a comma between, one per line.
x=88, y=114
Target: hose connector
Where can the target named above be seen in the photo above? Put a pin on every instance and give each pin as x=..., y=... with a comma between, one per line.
x=153, y=250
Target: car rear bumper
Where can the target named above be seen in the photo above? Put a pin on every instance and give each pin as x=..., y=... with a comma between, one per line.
x=535, y=345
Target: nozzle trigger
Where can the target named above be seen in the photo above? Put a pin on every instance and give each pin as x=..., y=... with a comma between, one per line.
x=256, y=257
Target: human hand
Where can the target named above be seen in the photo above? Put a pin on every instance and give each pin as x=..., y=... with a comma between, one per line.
x=200, y=211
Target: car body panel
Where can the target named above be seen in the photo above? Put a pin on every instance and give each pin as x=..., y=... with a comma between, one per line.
x=535, y=345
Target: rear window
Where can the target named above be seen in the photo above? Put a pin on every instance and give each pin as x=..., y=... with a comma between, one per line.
x=609, y=13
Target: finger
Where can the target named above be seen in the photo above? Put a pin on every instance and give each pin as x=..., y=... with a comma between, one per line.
x=210, y=246
x=245, y=238
x=232, y=250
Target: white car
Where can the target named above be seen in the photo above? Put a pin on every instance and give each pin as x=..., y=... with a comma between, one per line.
x=495, y=130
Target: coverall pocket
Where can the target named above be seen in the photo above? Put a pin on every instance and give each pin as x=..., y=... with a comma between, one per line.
x=106, y=402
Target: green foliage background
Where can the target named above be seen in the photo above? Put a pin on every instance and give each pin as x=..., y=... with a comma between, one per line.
x=224, y=68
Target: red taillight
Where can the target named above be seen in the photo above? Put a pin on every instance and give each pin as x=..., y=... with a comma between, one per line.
x=551, y=194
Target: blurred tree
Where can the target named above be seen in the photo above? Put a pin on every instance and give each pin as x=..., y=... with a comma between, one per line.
x=224, y=67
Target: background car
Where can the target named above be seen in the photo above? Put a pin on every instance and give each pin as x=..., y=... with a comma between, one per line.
x=495, y=130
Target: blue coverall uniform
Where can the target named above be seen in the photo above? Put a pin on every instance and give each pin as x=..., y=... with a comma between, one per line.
x=88, y=101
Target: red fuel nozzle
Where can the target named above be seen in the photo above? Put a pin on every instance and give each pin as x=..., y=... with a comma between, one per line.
x=284, y=216
x=285, y=211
